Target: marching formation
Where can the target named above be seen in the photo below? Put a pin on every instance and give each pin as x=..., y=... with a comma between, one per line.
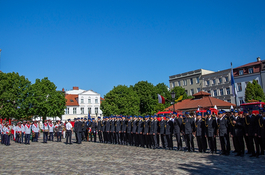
x=245, y=129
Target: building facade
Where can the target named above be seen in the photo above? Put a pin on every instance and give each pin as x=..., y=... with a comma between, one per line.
x=247, y=73
x=81, y=103
x=218, y=84
x=191, y=81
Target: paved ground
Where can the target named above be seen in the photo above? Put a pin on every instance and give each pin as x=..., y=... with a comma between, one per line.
x=99, y=158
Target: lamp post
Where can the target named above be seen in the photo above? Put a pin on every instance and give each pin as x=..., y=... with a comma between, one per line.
x=173, y=98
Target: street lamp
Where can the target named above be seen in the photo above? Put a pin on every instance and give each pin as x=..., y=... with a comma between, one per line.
x=173, y=94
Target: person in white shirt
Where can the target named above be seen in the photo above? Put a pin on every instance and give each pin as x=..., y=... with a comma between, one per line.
x=69, y=131
x=59, y=128
x=45, y=131
x=27, y=132
x=23, y=130
x=36, y=130
x=18, y=132
x=51, y=128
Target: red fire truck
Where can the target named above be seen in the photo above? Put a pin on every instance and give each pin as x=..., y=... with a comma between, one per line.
x=253, y=106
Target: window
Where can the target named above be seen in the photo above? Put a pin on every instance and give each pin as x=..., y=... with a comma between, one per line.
x=226, y=79
x=89, y=110
x=221, y=92
x=250, y=70
x=186, y=92
x=96, y=110
x=89, y=101
x=82, y=100
x=239, y=87
x=198, y=89
x=209, y=92
x=213, y=81
x=173, y=84
x=198, y=80
x=82, y=110
x=214, y=93
x=191, y=81
x=220, y=80
x=178, y=83
x=229, y=101
x=207, y=83
x=74, y=110
x=184, y=82
x=241, y=101
x=191, y=92
x=96, y=101
x=241, y=72
x=227, y=91
x=67, y=111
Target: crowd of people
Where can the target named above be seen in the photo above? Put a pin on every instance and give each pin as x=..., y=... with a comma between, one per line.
x=244, y=128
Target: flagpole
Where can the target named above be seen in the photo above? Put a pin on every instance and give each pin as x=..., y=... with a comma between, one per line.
x=234, y=86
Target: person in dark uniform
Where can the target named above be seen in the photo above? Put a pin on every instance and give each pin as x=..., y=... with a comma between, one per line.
x=112, y=130
x=223, y=133
x=118, y=130
x=252, y=133
x=129, y=130
x=83, y=129
x=75, y=130
x=211, y=131
x=169, y=131
x=140, y=131
x=104, y=130
x=177, y=130
x=199, y=132
x=86, y=129
x=93, y=130
x=155, y=133
x=188, y=128
x=162, y=126
x=237, y=133
x=134, y=130
x=100, y=129
x=123, y=131
x=108, y=123
x=204, y=141
x=261, y=131
x=146, y=131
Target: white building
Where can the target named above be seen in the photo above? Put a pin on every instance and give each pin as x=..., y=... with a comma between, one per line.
x=80, y=103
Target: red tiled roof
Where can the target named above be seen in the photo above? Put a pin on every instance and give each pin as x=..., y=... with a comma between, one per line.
x=204, y=102
x=201, y=93
x=71, y=100
x=250, y=64
x=101, y=99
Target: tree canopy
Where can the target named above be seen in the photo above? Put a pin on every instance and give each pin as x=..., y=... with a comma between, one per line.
x=144, y=97
x=254, y=92
x=21, y=99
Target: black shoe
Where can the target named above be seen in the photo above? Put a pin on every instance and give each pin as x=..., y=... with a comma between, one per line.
x=237, y=154
x=253, y=155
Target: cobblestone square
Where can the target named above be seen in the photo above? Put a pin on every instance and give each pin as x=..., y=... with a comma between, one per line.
x=100, y=158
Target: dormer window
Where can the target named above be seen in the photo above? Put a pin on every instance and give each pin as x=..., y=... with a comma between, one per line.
x=250, y=70
x=241, y=72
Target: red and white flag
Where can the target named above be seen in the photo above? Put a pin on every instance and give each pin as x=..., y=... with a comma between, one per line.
x=161, y=99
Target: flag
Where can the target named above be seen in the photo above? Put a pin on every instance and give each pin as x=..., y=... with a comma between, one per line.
x=233, y=82
x=180, y=98
x=161, y=99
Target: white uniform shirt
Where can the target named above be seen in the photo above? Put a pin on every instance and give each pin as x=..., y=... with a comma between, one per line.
x=35, y=127
x=45, y=126
x=27, y=129
x=51, y=126
x=68, y=126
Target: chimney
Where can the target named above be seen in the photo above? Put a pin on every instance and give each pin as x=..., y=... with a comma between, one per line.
x=63, y=89
x=75, y=88
x=258, y=59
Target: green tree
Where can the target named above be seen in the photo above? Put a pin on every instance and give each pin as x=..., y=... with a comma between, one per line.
x=45, y=100
x=13, y=92
x=180, y=91
x=120, y=100
x=254, y=92
x=148, y=97
x=163, y=90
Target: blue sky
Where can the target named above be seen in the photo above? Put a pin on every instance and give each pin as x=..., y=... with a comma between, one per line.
x=100, y=44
